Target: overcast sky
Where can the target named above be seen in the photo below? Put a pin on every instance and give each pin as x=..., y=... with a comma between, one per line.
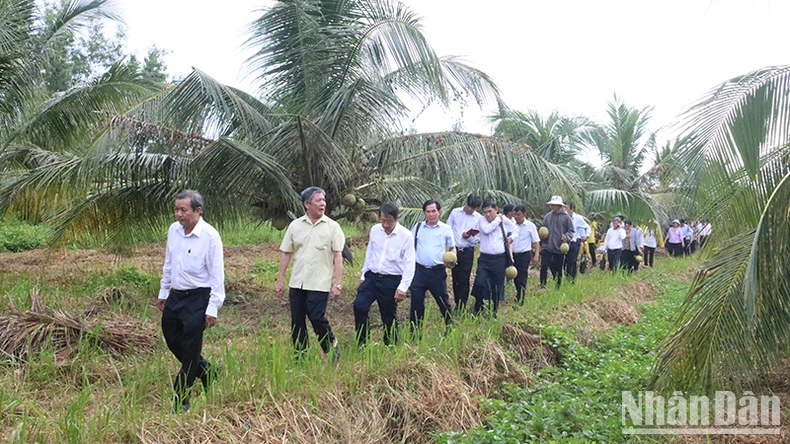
x=570, y=55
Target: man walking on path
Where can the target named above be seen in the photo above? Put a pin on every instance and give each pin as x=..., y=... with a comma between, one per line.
x=386, y=275
x=315, y=242
x=463, y=220
x=432, y=238
x=526, y=250
x=632, y=247
x=493, y=258
x=191, y=292
x=580, y=236
x=613, y=244
x=560, y=225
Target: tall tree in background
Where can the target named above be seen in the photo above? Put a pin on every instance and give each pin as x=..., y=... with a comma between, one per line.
x=558, y=139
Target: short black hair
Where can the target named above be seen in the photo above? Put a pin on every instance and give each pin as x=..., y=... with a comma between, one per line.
x=389, y=208
x=308, y=193
x=474, y=201
x=683, y=221
x=508, y=208
x=195, y=199
x=572, y=206
x=489, y=204
x=628, y=222
x=431, y=202
x=520, y=209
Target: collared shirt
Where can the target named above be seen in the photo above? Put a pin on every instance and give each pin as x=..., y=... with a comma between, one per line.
x=636, y=238
x=432, y=241
x=675, y=235
x=687, y=231
x=527, y=235
x=559, y=224
x=491, y=239
x=461, y=222
x=393, y=254
x=313, y=246
x=614, y=239
x=650, y=238
x=194, y=261
x=705, y=230
x=580, y=226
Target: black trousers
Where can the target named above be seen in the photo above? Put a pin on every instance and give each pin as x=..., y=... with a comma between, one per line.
x=593, y=255
x=432, y=279
x=377, y=288
x=489, y=279
x=675, y=250
x=553, y=262
x=310, y=304
x=613, y=257
x=702, y=241
x=628, y=260
x=521, y=262
x=650, y=253
x=687, y=249
x=183, y=321
x=462, y=273
x=572, y=259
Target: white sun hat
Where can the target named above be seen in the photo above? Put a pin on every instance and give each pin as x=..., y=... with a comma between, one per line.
x=555, y=200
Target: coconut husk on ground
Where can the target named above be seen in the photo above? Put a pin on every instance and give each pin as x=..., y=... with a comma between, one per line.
x=23, y=334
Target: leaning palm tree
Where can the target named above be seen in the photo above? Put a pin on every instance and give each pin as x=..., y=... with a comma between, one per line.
x=735, y=322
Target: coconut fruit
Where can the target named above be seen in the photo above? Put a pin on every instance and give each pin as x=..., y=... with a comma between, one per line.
x=543, y=232
x=639, y=258
x=449, y=258
x=564, y=248
x=359, y=204
x=280, y=223
x=349, y=200
x=511, y=272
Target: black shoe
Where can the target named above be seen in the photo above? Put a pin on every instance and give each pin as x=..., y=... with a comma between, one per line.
x=180, y=405
x=209, y=375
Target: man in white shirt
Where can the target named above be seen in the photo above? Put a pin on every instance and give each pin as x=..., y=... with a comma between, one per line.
x=191, y=292
x=613, y=244
x=432, y=238
x=580, y=235
x=463, y=221
x=704, y=232
x=526, y=250
x=493, y=258
x=316, y=244
x=386, y=275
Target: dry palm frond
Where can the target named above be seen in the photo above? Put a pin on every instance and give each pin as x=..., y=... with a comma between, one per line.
x=23, y=334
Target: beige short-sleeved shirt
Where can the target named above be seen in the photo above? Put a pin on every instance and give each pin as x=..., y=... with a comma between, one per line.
x=313, y=247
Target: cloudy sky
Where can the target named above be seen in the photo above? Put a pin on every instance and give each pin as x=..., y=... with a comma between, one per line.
x=570, y=55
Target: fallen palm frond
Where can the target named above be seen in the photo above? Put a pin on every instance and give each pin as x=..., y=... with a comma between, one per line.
x=23, y=334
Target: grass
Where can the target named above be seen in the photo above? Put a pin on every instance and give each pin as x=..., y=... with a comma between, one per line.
x=404, y=393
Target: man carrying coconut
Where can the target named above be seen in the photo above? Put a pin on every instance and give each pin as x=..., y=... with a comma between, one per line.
x=191, y=292
x=432, y=238
x=494, y=246
x=561, y=231
x=526, y=250
x=580, y=236
x=463, y=220
x=315, y=242
x=386, y=275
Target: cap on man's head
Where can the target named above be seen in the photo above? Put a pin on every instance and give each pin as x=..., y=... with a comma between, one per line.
x=555, y=200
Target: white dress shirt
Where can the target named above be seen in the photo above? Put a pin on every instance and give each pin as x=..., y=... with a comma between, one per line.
x=461, y=222
x=491, y=239
x=581, y=226
x=614, y=239
x=705, y=230
x=392, y=255
x=527, y=235
x=650, y=238
x=194, y=261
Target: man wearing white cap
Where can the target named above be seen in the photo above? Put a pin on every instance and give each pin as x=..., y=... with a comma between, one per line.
x=561, y=230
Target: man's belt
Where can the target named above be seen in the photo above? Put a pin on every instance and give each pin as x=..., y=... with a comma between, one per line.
x=432, y=267
x=190, y=292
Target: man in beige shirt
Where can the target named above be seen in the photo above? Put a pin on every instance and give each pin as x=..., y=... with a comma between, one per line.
x=316, y=243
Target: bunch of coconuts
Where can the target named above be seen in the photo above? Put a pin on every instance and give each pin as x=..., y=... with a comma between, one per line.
x=271, y=208
x=354, y=207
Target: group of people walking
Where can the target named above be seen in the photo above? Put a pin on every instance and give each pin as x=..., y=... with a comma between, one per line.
x=399, y=263
x=684, y=239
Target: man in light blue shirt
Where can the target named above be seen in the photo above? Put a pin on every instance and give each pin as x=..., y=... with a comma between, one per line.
x=432, y=238
x=580, y=236
x=688, y=233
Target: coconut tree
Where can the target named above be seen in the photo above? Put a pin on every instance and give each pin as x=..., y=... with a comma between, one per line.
x=735, y=322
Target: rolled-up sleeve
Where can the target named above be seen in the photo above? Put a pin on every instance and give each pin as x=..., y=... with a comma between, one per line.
x=216, y=269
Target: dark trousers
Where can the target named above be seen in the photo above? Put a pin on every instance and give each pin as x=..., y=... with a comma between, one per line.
x=572, y=259
x=675, y=250
x=432, y=279
x=183, y=321
x=628, y=260
x=687, y=249
x=702, y=241
x=613, y=257
x=521, y=262
x=489, y=279
x=462, y=272
x=377, y=288
x=650, y=252
x=310, y=304
x=553, y=262
x=593, y=255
